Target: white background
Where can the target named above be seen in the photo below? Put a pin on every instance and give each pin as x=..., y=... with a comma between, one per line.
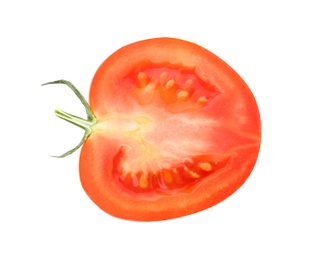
x=44, y=212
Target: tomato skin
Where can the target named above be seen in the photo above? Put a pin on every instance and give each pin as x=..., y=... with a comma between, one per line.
x=236, y=109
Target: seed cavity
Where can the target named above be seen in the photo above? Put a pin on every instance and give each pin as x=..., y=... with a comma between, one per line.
x=173, y=179
x=178, y=86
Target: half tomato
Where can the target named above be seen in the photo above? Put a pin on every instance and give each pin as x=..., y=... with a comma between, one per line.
x=171, y=130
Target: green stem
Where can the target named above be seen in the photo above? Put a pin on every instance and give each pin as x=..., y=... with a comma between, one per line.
x=86, y=124
x=78, y=121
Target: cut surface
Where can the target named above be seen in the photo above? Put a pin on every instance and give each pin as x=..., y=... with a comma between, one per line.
x=165, y=151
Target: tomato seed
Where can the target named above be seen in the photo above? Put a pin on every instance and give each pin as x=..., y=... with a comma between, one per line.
x=202, y=100
x=182, y=95
x=193, y=174
x=205, y=166
x=142, y=79
x=143, y=181
x=170, y=83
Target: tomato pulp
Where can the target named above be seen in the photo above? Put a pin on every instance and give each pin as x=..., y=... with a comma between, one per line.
x=175, y=131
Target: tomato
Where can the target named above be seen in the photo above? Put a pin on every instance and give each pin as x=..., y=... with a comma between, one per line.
x=171, y=130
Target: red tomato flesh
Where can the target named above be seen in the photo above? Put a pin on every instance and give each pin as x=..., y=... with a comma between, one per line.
x=178, y=131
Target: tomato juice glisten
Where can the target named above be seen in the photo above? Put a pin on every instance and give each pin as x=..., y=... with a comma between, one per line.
x=171, y=130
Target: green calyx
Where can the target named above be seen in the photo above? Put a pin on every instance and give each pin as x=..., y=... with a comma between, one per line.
x=86, y=124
